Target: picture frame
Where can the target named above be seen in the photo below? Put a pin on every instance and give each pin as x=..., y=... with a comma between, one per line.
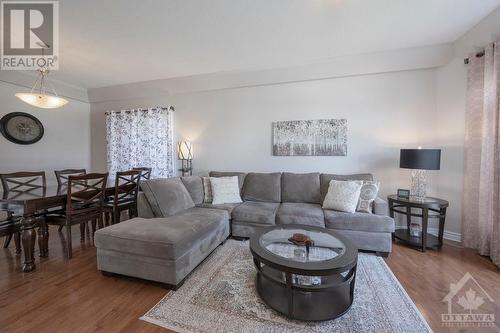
x=402, y=193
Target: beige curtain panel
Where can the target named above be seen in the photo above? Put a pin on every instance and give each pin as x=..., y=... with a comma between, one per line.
x=481, y=208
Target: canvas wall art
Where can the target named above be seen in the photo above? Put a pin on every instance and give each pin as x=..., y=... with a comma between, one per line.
x=324, y=137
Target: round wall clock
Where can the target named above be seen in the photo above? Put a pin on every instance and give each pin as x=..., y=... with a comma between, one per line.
x=21, y=128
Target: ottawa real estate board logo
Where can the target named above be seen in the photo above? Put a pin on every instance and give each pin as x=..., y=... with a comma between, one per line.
x=30, y=35
x=469, y=305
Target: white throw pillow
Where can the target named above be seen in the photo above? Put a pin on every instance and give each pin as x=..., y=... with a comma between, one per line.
x=343, y=195
x=225, y=190
x=207, y=189
x=369, y=192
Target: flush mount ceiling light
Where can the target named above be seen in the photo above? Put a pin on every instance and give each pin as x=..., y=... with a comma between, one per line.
x=39, y=96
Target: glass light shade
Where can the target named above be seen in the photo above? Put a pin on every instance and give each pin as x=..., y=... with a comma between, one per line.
x=184, y=150
x=41, y=100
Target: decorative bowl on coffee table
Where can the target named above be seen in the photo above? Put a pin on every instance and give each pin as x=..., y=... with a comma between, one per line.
x=313, y=284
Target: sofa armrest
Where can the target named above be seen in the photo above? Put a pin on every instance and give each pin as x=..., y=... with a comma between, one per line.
x=380, y=207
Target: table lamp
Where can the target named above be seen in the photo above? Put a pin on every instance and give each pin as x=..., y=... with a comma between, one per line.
x=185, y=154
x=419, y=160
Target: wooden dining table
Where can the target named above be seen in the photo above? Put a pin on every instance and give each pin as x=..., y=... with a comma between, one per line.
x=32, y=203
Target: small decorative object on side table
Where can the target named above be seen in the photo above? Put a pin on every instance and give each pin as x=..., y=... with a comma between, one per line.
x=436, y=206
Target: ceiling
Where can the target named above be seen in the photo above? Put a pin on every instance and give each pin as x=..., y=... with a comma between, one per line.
x=105, y=43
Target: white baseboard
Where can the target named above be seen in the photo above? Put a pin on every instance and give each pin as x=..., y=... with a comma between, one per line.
x=449, y=235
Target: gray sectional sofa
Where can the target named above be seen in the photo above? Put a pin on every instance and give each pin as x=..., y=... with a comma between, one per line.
x=176, y=230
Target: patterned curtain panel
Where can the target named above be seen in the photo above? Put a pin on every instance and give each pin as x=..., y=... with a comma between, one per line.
x=481, y=209
x=140, y=138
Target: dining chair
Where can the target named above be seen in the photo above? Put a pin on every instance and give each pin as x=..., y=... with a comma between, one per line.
x=62, y=181
x=124, y=197
x=10, y=226
x=145, y=172
x=84, y=203
x=62, y=175
x=15, y=184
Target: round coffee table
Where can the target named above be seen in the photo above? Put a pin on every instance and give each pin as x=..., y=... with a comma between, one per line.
x=317, y=284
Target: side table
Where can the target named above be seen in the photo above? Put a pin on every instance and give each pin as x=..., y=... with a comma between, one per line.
x=430, y=208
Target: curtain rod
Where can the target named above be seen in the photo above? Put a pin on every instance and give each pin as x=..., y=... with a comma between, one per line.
x=170, y=108
x=478, y=55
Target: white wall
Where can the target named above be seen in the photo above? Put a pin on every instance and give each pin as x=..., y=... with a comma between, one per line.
x=66, y=143
x=231, y=128
x=391, y=100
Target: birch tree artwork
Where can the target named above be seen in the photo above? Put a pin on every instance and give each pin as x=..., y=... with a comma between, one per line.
x=324, y=137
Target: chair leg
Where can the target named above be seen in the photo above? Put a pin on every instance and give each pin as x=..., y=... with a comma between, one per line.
x=7, y=241
x=100, y=221
x=106, y=219
x=60, y=227
x=116, y=216
x=94, y=222
x=82, y=232
x=17, y=242
x=68, y=240
x=87, y=230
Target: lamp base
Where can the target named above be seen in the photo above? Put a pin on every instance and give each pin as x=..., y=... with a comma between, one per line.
x=187, y=167
x=418, y=184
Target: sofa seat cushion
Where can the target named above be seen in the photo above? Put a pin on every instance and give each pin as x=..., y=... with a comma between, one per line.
x=301, y=213
x=165, y=238
x=226, y=206
x=256, y=212
x=358, y=221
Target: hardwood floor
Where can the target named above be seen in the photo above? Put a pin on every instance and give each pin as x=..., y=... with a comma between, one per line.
x=72, y=296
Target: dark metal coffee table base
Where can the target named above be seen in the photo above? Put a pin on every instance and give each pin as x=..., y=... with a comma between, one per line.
x=327, y=301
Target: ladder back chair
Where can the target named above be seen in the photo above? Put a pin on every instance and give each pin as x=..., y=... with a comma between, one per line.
x=84, y=203
x=62, y=175
x=145, y=172
x=15, y=184
x=124, y=197
x=10, y=226
x=62, y=180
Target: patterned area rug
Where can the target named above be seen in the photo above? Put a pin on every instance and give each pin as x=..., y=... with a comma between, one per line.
x=220, y=297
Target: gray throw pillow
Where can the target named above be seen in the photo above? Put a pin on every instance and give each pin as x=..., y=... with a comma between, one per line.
x=207, y=188
x=167, y=196
x=368, y=193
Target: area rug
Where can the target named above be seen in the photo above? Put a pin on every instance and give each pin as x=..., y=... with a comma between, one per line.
x=220, y=296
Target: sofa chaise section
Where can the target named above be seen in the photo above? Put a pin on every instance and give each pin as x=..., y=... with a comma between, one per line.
x=165, y=249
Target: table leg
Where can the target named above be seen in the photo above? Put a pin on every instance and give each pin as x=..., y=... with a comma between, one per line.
x=290, y=294
x=442, y=218
x=43, y=235
x=425, y=220
x=28, y=236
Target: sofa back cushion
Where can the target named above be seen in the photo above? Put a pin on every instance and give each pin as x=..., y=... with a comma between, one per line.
x=167, y=196
x=262, y=187
x=325, y=179
x=241, y=176
x=300, y=187
x=194, y=185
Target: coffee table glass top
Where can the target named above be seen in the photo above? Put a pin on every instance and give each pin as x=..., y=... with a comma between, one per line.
x=325, y=246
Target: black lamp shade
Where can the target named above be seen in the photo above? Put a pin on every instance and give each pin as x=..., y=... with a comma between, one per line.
x=425, y=159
